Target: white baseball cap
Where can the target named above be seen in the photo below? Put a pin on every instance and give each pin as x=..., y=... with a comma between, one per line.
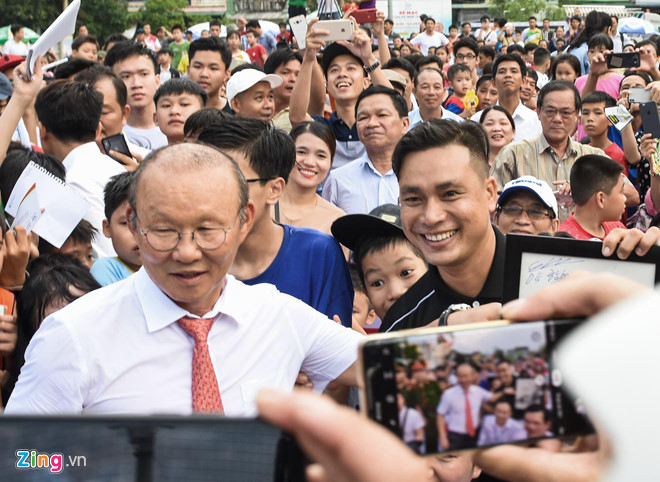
x=530, y=183
x=243, y=80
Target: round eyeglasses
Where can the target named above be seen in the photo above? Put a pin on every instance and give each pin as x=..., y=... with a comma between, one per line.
x=206, y=238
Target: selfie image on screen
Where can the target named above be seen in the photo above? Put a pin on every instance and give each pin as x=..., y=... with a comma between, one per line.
x=467, y=389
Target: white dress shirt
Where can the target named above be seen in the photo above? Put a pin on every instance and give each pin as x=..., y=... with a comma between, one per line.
x=416, y=118
x=491, y=433
x=120, y=350
x=88, y=171
x=527, y=122
x=15, y=48
x=358, y=187
x=452, y=406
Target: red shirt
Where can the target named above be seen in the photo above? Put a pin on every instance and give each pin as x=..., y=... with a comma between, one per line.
x=615, y=152
x=284, y=37
x=255, y=54
x=572, y=227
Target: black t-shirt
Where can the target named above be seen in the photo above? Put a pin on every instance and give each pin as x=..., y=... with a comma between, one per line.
x=425, y=301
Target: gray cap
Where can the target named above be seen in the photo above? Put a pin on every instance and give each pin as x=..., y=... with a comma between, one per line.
x=5, y=87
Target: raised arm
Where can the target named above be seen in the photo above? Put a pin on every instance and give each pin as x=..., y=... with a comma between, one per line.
x=360, y=46
x=377, y=28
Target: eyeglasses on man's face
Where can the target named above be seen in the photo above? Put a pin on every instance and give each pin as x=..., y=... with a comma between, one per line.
x=207, y=238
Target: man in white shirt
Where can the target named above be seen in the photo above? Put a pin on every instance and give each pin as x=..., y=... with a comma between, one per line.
x=508, y=73
x=429, y=90
x=501, y=427
x=369, y=182
x=15, y=45
x=137, y=67
x=429, y=38
x=485, y=33
x=126, y=348
x=459, y=410
x=69, y=122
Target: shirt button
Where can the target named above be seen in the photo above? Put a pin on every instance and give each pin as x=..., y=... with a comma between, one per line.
x=475, y=304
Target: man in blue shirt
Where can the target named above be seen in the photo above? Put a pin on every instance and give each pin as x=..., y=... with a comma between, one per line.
x=365, y=184
x=304, y=263
x=266, y=39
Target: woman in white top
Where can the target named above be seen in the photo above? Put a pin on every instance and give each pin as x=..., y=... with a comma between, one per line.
x=300, y=205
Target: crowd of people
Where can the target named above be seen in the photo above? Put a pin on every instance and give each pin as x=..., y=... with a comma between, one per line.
x=275, y=205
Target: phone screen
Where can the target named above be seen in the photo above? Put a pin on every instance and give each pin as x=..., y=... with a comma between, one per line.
x=420, y=382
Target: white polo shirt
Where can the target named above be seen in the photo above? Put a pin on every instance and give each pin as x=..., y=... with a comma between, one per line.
x=119, y=350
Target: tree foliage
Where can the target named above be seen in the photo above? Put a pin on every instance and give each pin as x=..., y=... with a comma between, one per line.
x=161, y=13
x=103, y=17
x=516, y=10
x=35, y=14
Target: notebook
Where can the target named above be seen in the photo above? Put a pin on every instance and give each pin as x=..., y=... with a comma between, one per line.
x=63, y=207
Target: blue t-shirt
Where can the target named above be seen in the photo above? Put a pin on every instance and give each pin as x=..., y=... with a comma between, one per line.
x=310, y=266
x=109, y=270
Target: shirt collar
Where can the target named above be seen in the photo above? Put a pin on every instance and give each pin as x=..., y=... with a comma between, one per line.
x=160, y=311
x=83, y=150
x=365, y=159
x=544, y=145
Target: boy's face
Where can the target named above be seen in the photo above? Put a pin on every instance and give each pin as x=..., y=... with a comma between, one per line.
x=172, y=111
x=141, y=81
x=389, y=273
x=122, y=239
x=289, y=72
x=466, y=56
x=83, y=252
x=614, y=203
x=461, y=83
x=467, y=28
x=87, y=51
x=257, y=102
x=453, y=32
x=593, y=119
x=483, y=60
x=345, y=78
x=164, y=59
x=178, y=34
x=251, y=39
x=208, y=70
x=487, y=94
x=362, y=313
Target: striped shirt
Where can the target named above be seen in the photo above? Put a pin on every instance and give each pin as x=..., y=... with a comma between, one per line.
x=535, y=157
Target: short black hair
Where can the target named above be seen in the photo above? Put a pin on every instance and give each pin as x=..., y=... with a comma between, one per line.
x=197, y=121
x=423, y=71
x=279, y=57
x=402, y=64
x=630, y=73
x=215, y=23
x=116, y=192
x=530, y=47
x=556, y=86
x=591, y=174
x=252, y=24
x=15, y=28
x=487, y=51
x=84, y=39
x=180, y=86
x=399, y=102
x=536, y=409
x=532, y=73
x=96, y=73
x=598, y=96
x=541, y=56
x=231, y=33
x=177, y=26
x=455, y=69
x=73, y=66
x=571, y=60
x=440, y=133
x=485, y=17
x=531, y=18
x=427, y=60
x=270, y=151
x=648, y=42
x=601, y=40
x=123, y=50
x=69, y=110
x=510, y=58
x=466, y=42
x=16, y=160
x=212, y=44
x=483, y=80
x=466, y=23
x=515, y=48
x=452, y=26
x=113, y=38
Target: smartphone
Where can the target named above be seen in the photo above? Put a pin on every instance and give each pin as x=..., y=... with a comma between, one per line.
x=624, y=60
x=650, y=118
x=299, y=30
x=639, y=95
x=116, y=143
x=339, y=29
x=368, y=15
x=426, y=371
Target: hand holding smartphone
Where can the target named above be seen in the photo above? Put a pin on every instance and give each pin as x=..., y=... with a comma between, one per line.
x=116, y=143
x=338, y=29
x=650, y=118
x=623, y=60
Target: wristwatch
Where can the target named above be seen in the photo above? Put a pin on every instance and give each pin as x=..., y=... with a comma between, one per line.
x=452, y=308
x=372, y=67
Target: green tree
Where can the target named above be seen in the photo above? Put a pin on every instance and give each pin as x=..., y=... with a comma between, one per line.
x=35, y=14
x=516, y=10
x=103, y=17
x=161, y=13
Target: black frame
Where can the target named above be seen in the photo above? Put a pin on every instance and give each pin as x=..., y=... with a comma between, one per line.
x=517, y=244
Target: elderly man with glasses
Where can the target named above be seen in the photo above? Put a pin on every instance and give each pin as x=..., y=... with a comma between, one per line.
x=527, y=206
x=181, y=335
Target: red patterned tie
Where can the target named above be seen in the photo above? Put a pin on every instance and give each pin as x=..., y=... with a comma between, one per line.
x=469, y=424
x=205, y=391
